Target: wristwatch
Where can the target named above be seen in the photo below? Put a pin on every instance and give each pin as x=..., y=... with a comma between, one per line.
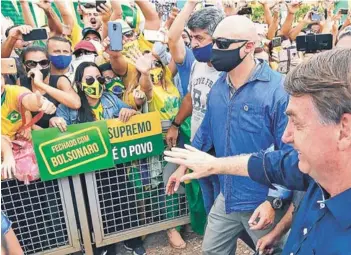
x=175, y=124
x=276, y=202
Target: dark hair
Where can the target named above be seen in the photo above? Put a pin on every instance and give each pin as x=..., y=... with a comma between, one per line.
x=326, y=77
x=33, y=49
x=59, y=39
x=207, y=19
x=85, y=114
x=105, y=67
x=8, y=30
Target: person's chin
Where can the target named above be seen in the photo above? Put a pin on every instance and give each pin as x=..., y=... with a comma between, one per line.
x=304, y=167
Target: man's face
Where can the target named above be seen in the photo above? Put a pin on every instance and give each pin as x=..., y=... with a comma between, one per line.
x=92, y=18
x=315, y=143
x=129, y=36
x=109, y=74
x=200, y=38
x=92, y=37
x=56, y=48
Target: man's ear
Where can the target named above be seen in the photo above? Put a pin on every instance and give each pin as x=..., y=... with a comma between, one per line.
x=250, y=46
x=345, y=132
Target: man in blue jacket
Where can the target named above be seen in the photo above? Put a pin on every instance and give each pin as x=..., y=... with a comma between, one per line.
x=319, y=129
x=245, y=114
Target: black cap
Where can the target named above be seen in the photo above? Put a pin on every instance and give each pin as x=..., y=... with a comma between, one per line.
x=90, y=30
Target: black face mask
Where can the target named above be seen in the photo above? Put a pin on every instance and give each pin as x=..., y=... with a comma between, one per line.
x=226, y=60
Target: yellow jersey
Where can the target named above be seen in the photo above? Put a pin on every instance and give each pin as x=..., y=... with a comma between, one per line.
x=98, y=111
x=165, y=101
x=11, y=119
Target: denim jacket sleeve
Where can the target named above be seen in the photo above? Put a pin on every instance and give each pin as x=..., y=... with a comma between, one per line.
x=65, y=113
x=279, y=167
x=118, y=104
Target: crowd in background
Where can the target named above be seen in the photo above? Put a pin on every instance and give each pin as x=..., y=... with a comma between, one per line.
x=75, y=77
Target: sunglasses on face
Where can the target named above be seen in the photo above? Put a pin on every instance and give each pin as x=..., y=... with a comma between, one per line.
x=33, y=64
x=224, y=43
x=157, y=64
x=89, y=80
x=128, y=34
x=85, y=52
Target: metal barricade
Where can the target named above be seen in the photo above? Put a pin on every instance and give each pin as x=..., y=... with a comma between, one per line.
x=42, y=215
x=129, y=200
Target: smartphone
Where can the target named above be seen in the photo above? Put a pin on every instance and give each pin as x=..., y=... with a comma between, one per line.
x=276, y=42
x=315, y=17
x=36, y=35
x=344, y=11
x=8, y=66
x=99, y=3
x=312, y=43
x=154, y=36
x=115, y=35
x=245, y=11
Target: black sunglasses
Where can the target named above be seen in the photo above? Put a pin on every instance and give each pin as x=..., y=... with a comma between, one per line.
x=90, y=80
x=33, y=64
x=157, y=64
x=224, y=43
x=128, y=34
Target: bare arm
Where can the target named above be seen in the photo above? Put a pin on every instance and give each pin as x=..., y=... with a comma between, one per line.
x=146, y=85
x=117, y=12
x=27, y=14
x=292, y=9
x=54, y=22
x=272, y=30
x=152, y=21
x=14, y=34
x=267, y=13
x=66, y=15
x=297, y=30
x=186, y=109
x=175, y=40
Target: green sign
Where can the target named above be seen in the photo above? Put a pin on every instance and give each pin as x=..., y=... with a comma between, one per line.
x=141, y=137
x=83, y=148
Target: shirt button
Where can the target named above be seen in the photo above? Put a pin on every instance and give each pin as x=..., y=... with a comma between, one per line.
x=246, y=108
x=304, y=231
x=322, y=205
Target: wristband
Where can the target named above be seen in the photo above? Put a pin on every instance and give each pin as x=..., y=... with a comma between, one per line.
x=175, y=124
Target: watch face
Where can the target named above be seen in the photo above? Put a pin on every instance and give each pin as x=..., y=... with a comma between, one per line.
x=277, y=203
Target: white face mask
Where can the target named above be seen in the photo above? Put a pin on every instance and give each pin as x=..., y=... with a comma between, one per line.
x=86, y=58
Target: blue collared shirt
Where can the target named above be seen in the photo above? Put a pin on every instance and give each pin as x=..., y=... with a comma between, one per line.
x=322, y=225
x=250, y=120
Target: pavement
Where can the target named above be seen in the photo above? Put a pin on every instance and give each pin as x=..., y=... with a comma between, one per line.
x=157, y=244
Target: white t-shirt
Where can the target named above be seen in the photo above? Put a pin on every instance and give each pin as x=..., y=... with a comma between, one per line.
x=202, y=78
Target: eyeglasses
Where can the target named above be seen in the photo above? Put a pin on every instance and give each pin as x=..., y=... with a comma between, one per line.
x=89, y=80
x=157, y=64
x=128, y=34
x=33, y=64
x=224, y=43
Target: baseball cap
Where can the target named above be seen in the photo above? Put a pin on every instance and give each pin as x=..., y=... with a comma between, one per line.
x=84, y=45
x=90, y=30
x=125, y=26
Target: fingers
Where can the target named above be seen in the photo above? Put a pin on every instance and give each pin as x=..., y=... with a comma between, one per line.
x=262, y=224
x=176, y=161
x=191, y=148
x=47, y=107
x=191, y=176
x=177, y=153
x=252, y=220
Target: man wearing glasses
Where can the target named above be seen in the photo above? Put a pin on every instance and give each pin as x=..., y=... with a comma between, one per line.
x=245, y=113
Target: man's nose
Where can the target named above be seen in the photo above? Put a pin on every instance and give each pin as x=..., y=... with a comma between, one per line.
x=288, y=136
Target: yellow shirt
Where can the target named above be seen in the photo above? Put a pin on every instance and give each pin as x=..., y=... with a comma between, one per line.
x=165, y=102
x=98, y=111
x=76, y=35
x=11, y=119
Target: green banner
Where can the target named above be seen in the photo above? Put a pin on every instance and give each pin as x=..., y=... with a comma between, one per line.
x=141, y=137
x=83, y=148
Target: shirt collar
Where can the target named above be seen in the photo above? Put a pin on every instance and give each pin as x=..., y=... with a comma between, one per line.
x=261, y=72
x=340, y=207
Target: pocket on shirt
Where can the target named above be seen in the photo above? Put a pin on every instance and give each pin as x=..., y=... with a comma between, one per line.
x=251, y=118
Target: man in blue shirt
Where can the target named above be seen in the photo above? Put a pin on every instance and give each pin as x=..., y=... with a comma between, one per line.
x=319, y=129
x=245, y=114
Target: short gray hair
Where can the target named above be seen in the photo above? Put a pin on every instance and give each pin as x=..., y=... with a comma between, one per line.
x=207, y=18
x=326, y=77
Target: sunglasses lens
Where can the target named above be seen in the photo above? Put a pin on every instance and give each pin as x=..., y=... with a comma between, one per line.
x=31, y=64
x=128, y=34
x=44, y=63
x=158, y=64
x=101, y=80
x=90, y=80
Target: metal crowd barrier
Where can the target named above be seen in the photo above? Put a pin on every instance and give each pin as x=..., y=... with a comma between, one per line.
x=43, y=216
x=110, y=206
